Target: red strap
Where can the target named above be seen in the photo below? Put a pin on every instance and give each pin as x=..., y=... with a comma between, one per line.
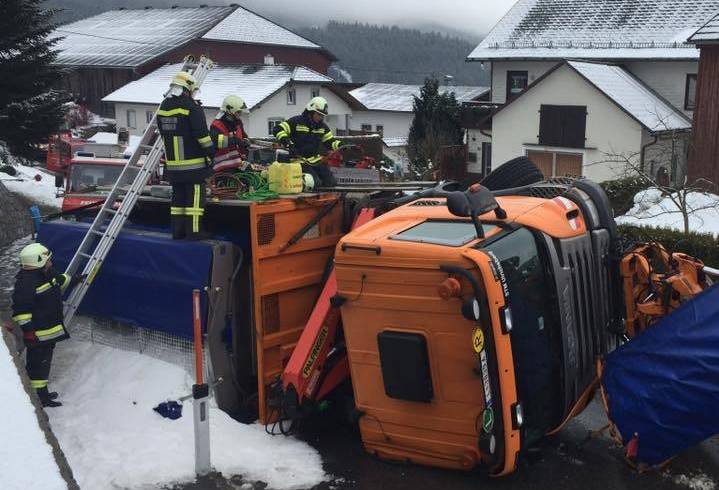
x=217, y=123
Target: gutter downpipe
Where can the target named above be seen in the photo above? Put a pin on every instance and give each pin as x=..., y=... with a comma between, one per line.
x=643, y=152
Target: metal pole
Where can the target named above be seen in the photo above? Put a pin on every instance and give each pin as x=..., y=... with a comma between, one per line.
x=200, y=397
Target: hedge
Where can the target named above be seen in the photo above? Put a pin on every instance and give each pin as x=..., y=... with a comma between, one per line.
x=621, y=192
x=704, y=246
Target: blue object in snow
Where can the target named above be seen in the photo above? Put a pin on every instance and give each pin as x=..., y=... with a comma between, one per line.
x=36, y=218
x=664, y=384
x=170, y=410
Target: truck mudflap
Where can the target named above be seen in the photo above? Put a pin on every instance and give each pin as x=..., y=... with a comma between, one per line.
x=662, y=388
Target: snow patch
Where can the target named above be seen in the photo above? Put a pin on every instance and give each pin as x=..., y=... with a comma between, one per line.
x=652, y=208
x=113, y=439
x=33, y=183
x=695, y=482
x=26, y=459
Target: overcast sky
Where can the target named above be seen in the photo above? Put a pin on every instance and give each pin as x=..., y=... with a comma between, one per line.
x=475, y=17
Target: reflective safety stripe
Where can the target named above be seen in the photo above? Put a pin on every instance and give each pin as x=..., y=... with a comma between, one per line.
x=221, y=142
x=285, y=126
x=177, y=211
x=205, y=141
x=281, y=134
x=336, y=144
x=319, y=131
x=175, y=148
x=193, y=164
x=38, y=383
x=328, y=136
x=43, y=287
x=65, y=282
x=193, y=211
x=301, y=128
x=314, y=160
x=226, y=156
x=23, y=318
x=50, y=333
x=174, y=112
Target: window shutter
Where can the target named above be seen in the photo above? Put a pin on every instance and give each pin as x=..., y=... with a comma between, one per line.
x=562, y=126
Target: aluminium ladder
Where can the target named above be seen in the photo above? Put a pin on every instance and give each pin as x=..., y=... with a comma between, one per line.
x=109, y=221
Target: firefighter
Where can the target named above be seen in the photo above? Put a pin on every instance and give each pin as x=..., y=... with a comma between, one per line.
x=188, y=156
x=307, y=136
x=37, y=310
x=228, y=135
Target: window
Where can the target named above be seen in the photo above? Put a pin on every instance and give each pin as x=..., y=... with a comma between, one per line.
x=486, y=158
x=516, y=82
x=315, y=92
x=291, y=97
x=690, y=97
x=449, y=233
x=272, y=123
x=379, y=128
x=472, y=157
x=148, y=116
x=131, y=119
x=366, y=127
x=562, y=125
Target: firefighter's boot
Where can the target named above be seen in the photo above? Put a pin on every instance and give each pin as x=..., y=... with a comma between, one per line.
x=45, y=398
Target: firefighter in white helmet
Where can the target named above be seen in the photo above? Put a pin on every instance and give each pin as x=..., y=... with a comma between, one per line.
x=37, y=310
x=228, y=135
x=188, y=156
x=307, y=136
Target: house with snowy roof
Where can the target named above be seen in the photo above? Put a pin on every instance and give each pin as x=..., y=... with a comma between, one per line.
x=582, y=85
x=389, y=107
x=272, y=92
x=704, y=156
x=104, y=52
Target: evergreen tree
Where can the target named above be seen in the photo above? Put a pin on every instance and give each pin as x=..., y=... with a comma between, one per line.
x=436, y=124
x=30, y=107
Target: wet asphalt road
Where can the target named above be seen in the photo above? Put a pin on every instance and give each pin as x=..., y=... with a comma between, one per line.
x=567, y=461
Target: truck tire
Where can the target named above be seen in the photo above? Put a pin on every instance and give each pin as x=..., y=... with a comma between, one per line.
x=517, y=172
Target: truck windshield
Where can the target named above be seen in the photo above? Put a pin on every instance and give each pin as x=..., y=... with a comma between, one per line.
x=535, y=333
x=443, y=232
x=85, y=177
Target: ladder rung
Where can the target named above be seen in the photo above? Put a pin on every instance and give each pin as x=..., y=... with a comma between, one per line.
x=97, y=232
x=111, y=211
x=83, y=254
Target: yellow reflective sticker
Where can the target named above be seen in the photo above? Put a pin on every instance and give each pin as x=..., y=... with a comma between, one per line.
x=478, y=340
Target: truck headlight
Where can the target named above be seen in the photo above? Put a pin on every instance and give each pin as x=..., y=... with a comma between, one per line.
x=517, y=416
x=507, y=322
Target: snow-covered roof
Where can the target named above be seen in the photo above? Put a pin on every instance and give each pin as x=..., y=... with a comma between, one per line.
x=254, y=83
x=632, y=95
x=130, y=38
x=708, y=33
x=400, y=98
x=244, y=26
x=395, y=141
x=596, y=29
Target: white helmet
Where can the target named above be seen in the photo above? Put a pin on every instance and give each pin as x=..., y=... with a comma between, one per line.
x=308, y=183
x=318, y=105
x=34, y=256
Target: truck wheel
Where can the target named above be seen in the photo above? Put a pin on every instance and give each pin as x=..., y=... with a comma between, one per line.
x=517, y=172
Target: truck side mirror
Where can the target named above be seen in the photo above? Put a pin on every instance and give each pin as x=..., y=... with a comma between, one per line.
x=59, y=180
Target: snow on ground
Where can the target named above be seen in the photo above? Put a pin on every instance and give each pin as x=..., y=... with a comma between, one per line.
x=699, y=481
x=651, y=208
x=113, y=439
x=26, y=184
x=26, y=459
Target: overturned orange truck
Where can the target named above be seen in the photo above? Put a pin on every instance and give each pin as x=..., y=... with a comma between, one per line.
x=472, y=321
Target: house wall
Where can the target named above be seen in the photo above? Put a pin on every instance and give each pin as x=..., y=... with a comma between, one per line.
x=475, y=139
x=666, y=155
x=90, y=85
x=705, y=147
x=396, y=124
x=256, y=122
x=515, y=129
x=667, y=78
x=535, y=70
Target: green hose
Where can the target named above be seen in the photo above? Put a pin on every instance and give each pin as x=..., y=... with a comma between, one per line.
x=259, y=188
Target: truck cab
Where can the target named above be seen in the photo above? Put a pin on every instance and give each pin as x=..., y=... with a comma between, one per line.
x=89, y=180
x=469, y=341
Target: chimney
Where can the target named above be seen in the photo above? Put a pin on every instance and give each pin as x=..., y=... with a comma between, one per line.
x=269, y=59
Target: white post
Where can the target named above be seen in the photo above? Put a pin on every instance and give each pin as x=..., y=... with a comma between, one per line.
x=201, y=412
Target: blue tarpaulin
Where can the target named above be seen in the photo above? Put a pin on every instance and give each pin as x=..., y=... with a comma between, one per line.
x=664, y=384
x=146, y=280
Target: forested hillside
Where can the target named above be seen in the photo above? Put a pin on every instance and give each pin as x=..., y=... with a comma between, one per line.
x=372, y=53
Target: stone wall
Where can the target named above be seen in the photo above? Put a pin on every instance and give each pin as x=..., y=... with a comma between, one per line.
x=15, y=219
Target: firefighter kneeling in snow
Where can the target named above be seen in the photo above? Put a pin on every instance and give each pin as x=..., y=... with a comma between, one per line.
x=37, y=309
x=228, y=135
x=307, y=136
x=188, y=156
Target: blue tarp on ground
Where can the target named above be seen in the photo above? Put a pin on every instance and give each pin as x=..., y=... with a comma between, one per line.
x=146, y=280
x=664, y=384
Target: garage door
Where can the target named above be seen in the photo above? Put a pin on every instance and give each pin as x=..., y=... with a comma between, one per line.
x=557, y=164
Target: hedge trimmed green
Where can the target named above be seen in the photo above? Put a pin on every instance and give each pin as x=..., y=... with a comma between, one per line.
x=704, y=246
x=621, y=192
